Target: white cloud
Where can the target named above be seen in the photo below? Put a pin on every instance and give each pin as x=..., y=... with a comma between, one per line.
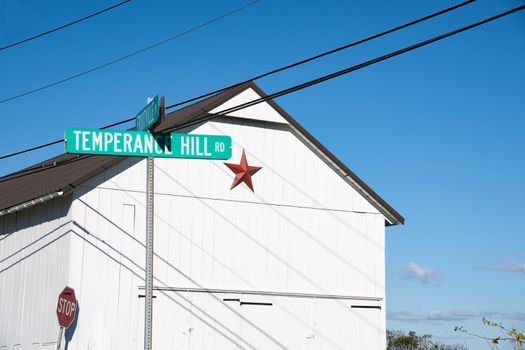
x=421, y=274
x=453, y=315
x=506, y=266
x=513, y=267
x=514, y=315
x=433, y=316
x=405, y=316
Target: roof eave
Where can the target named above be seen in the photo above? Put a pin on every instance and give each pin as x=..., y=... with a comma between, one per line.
x=392, y=217
x=31, y=203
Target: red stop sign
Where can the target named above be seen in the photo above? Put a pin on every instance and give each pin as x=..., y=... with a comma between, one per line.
x=66, y=307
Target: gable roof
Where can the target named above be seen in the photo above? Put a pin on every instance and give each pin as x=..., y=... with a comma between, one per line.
x=62, y=174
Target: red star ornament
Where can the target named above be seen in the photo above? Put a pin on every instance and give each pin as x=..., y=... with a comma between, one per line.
x=243, y=172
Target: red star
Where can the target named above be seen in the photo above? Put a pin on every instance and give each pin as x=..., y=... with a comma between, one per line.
x=243, y=172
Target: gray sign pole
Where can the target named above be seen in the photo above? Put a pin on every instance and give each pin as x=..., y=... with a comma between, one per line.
x=148, y=314
x=59, y=341
x=149, y=256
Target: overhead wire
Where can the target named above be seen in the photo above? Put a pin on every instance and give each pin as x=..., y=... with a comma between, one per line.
x=20, y=42
x=289, y=66
x=326, y=53
x=134, y=53
x=299, y=86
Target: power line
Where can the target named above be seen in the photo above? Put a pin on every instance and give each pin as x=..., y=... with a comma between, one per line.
x=355, y=43
x=57, y=141
x=326, y=53
x=355, y=67
x=63, y=26
x=134, y=53
x=293, y=88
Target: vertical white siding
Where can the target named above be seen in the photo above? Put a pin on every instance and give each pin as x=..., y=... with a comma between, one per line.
x=108, y=269
x=34, y=255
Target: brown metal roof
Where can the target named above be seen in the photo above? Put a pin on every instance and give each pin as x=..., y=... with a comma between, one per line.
x=67, y=171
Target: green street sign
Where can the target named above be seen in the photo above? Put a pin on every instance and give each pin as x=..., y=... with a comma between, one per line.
x=148, y=115
x=146, y=144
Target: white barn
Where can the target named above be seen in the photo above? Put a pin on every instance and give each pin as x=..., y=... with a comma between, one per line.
x=297, y=264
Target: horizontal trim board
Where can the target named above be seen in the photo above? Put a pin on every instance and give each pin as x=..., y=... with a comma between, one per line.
x=245, y=121
x=255, y=303
x=234, y=200
x=366, y=307
x=267, y=293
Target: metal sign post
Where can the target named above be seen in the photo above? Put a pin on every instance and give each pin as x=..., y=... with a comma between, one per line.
x=59, y=340
x=148, y=314
x=148, y=308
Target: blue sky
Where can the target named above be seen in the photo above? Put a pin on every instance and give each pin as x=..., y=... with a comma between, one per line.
x=438, y=132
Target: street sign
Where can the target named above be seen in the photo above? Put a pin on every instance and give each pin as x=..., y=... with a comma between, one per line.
x=146, y=144
x=148, y=115
x=66, y=307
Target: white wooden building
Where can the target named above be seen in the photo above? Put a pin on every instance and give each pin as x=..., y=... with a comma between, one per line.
x=297, y=264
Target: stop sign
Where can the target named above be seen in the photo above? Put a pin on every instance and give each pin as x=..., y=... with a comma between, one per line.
x=66, y=307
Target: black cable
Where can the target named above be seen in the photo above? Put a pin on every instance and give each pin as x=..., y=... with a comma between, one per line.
x=59, y=141
x=326, y=53
x=44, y=167
x=369, y=62
x=64, y=26
x=134, y=53
x=50, y=144
x=303, y=85
x=375, y=36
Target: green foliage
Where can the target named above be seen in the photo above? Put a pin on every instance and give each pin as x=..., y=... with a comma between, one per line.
x=398, y=340
x=512, y=335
